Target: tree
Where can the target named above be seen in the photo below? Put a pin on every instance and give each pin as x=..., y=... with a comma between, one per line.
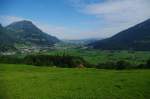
x=120, y=65
x=148, y=64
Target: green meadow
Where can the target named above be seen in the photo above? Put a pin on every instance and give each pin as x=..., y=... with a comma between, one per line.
x=32, y=82
x=102, y=56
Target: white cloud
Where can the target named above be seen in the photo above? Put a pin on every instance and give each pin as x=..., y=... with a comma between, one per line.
x=117, y=15
x=121, y=10
x=5, y=20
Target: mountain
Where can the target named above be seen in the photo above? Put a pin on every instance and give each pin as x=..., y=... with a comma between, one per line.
x=6, y=42
x=81, y=41
x=25, y=32
x=134, y=38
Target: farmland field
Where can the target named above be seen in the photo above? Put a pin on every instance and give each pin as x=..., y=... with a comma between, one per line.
x=99, y=56
x=31, y=82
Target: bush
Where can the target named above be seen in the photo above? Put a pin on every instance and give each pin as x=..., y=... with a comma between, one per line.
x=141, y=66
x=120, y=65
x=107, y=65
x=145, y=65
x=10, y=59
x=55, y=60
x=70, y=62
x=148, y=64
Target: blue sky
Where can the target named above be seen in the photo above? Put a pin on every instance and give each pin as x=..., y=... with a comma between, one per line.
x=76, y=19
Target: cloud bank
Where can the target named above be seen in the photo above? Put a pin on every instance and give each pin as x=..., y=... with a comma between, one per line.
x=5, y=20
x=116, y=15
x=120, y=11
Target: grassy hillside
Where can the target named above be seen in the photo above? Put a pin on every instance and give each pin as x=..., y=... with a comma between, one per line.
x=30, y=82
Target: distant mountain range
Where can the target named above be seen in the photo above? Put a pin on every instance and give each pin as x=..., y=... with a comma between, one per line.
x=134, y=38
x=81, y=41
x=24, y=32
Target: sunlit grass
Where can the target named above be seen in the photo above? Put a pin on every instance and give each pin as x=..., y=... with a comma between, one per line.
x=30, y=82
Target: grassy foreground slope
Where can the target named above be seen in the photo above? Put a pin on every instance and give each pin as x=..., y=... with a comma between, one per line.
x=30, y=82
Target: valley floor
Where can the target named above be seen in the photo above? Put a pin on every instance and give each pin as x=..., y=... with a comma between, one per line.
x=30, y=82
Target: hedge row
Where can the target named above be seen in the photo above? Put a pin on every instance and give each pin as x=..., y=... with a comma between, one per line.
x=70, y=62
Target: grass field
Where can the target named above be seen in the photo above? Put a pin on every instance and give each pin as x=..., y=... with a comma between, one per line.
x=30, y=82
x=99, y=56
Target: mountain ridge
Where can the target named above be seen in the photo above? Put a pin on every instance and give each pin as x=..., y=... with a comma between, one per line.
x=133, y=38
x=24, y=33
x=6, y=42
x=27, y=32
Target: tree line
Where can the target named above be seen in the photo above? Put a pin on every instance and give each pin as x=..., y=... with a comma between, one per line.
x=69, y=61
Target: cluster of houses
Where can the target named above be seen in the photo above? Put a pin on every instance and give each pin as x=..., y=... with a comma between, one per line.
x=25, y=50
x=34, y=49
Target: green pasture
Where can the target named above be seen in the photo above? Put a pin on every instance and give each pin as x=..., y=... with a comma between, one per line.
x=31, y=82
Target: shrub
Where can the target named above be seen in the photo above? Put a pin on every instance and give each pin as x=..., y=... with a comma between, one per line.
x=120, y=65
x=141, y=66
x=148, y=64
x=10, y=59
x=55, y=60
x=106, y=65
